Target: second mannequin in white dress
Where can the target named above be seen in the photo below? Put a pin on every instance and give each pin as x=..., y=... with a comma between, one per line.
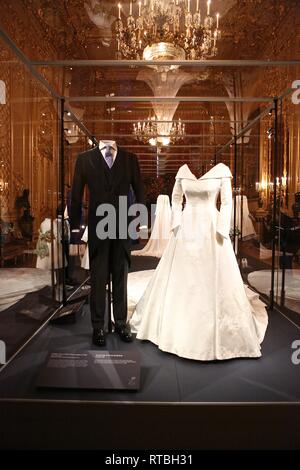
x=243, y=220
x=196, y=305
x=161, y=230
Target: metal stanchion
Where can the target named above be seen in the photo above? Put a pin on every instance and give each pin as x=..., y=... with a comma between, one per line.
x=62, y=193
x=234, y=202
x=274, y=230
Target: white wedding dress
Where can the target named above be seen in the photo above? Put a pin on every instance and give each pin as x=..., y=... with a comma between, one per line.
x=161, y=230
x=242, y=221
x=196, y=305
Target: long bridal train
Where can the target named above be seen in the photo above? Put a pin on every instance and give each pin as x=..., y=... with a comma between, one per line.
x=161, y=230
x=196, y=305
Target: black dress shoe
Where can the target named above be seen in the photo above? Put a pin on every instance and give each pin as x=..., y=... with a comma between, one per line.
x=99, y=337
x=125, y=333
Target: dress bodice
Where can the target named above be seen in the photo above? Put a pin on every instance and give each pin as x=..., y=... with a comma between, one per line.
x=201, y=194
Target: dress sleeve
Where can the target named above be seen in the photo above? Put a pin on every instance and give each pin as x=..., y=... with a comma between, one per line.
x=224, y=216
x=177, y=198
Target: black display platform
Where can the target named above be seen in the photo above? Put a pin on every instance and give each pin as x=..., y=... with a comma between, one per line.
x=111, y=370
x=181, y=404
x=21, y=320
x=239, y=403
x=165, y=377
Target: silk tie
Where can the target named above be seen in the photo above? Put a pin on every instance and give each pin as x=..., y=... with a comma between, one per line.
x=109, y=157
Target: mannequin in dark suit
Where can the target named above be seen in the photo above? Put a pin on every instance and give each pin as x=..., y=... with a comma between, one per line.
x=105, y=186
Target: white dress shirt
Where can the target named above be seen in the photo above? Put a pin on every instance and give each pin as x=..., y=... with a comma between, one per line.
x=111, y=144
x=108, y=144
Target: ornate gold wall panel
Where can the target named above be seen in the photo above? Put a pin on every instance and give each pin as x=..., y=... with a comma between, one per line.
x=5, y=140
x=29, y=145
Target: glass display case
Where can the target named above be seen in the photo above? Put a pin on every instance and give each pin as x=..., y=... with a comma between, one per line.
x=44, y=129
x=265, y=221
x=59, y=97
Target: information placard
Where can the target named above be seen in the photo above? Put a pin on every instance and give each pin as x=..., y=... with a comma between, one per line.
x=111, y=370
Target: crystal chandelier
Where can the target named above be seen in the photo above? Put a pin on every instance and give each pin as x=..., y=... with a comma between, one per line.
x=157, y=133
x=167, y=30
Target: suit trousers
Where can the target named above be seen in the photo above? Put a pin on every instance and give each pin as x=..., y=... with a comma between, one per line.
x=110, y=258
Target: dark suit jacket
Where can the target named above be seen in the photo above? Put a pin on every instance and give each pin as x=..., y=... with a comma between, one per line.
x=105, y=186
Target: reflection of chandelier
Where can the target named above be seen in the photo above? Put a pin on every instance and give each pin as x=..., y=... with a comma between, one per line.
x=158, y=134
x=167, y=30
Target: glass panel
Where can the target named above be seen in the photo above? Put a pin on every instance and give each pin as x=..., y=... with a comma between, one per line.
x=254, y=204
x=288, y=187
x=31, y=255
x=77, y=272
x=265, y=178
